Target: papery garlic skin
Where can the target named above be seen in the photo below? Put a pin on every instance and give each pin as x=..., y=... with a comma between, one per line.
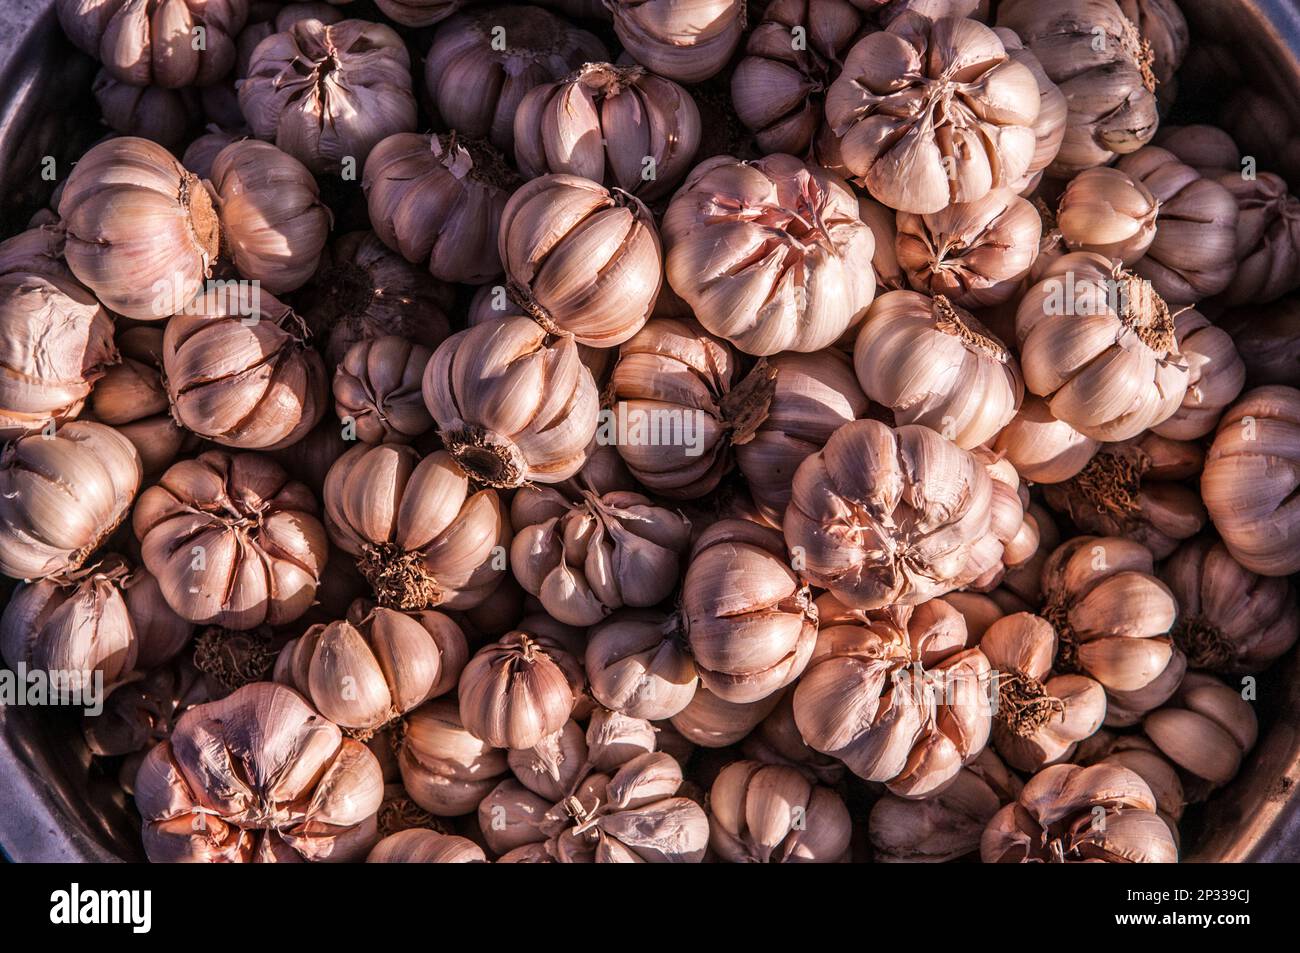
x=274, y=224
x=1042, y=448
x=913, y=154
x=239, y=370
x=420, y=536
x=1250, y=480
x=445, y=769
x=882, y=516
x=975, y=253
x=518, y=690
x=934, y=364
x=302, y=791
x=1054, y=820
x=1206, y=730
x=152, y=42
x=513, y=403
x=777, y=90
x=685, y=40
x=771, y=814
x=1098, y=343
x=1107, y=211
x=438, y=199
x=581, y=259
x=142, y=233
x=419, y=846
x=623, y=126
x=377, y=387
x=62, y=496
x=770, y=254
x=1110, y=91
x=232, y=541
x=328, y=94
x=58, y=342
x=637, y=663
x=483, y=61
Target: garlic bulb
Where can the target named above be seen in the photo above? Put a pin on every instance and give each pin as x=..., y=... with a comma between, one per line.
x=132, y=397
x=1068, y=814
x=258, y=777
x=328, y=94
x=638, y=664
x=1250, y=479
x=1130, y=489
x=142, y=233
x=232, y=541
x=1038, y=719
x=762, y=813
x=418, y=12
x=62, y=496
x=975, y=253
x=933, y=112
x=581, y=260
x=814, y=395
x=1205, y=729
x=1053, y=108
x=445, y=769
x=685, y=40
x=1164, y=31
x=1107, y=211
x=882, y=516
x=934, y=364
x=160, y=634
x=1095, y=54
x=712, y=722
x=164, y=116
x=1112, y=618
x=1099, y=344
x=516, y=691
x=483, y=61
x=419, y=846
x=883, y=222
x=1229, y=618
x=364, y=671
x=439, y=199
x=58, y=343
x=274, y=224
x=770, y=254
x=777, y=740
x=154, y=42
x=1216, y=376
x=778, y=87
x=74, y=630
x=513, y=403
x=1267, y=339
x=620, y=125
x=1268, y=238
x=1207, y=149
x=749, y=623
x=419, y=534
x=898, y=696
x=239, y=371
x=584, y=556
x=137, y=714
x=1193, y=253
x=377, y=387
x=1042, y=448
x=945, y=827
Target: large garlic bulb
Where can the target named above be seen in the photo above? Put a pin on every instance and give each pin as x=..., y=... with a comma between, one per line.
x=685, y=40
x=258, y=776
x=761, y=813
x=770, y=254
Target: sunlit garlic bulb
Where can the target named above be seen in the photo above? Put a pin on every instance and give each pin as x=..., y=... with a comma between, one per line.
x=445, y=769
x=518, y=690
x=1042, y=448
x=1105, y=210
x=685, y=40
x=637, y=663
x=771, y=814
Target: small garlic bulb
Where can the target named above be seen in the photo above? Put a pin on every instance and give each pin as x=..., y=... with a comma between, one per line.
x=1268, y=237
x=1216, y=375
x=419, y=845
x=1206, y=729
x=420, y=536
x=518, y=690
x=239, y=371
x=620, y=125
x=513, y=403
x=976, y=253
x=1042, y=448
x=1251, y=474
x=327, y=94
x=445, y=769
x=229, y=785
x=932, y=363
x=438, y=199
x=760, y=813
x=377, y=387
x=770, y=254
x=1098, y=343
x=580, y=259
x=62, y=496
x=165, y=116
x=918, y=137
x=637, y=663
x=142, y=233
x=1069, y=814
x=132, y=397
x=685, y=40
x=713, y=722
x=1107, y=211
x=750, y=625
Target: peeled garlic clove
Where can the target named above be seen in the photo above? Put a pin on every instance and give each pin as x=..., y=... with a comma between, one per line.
x=417, y=846
x=688, y=42
x=445, y=769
